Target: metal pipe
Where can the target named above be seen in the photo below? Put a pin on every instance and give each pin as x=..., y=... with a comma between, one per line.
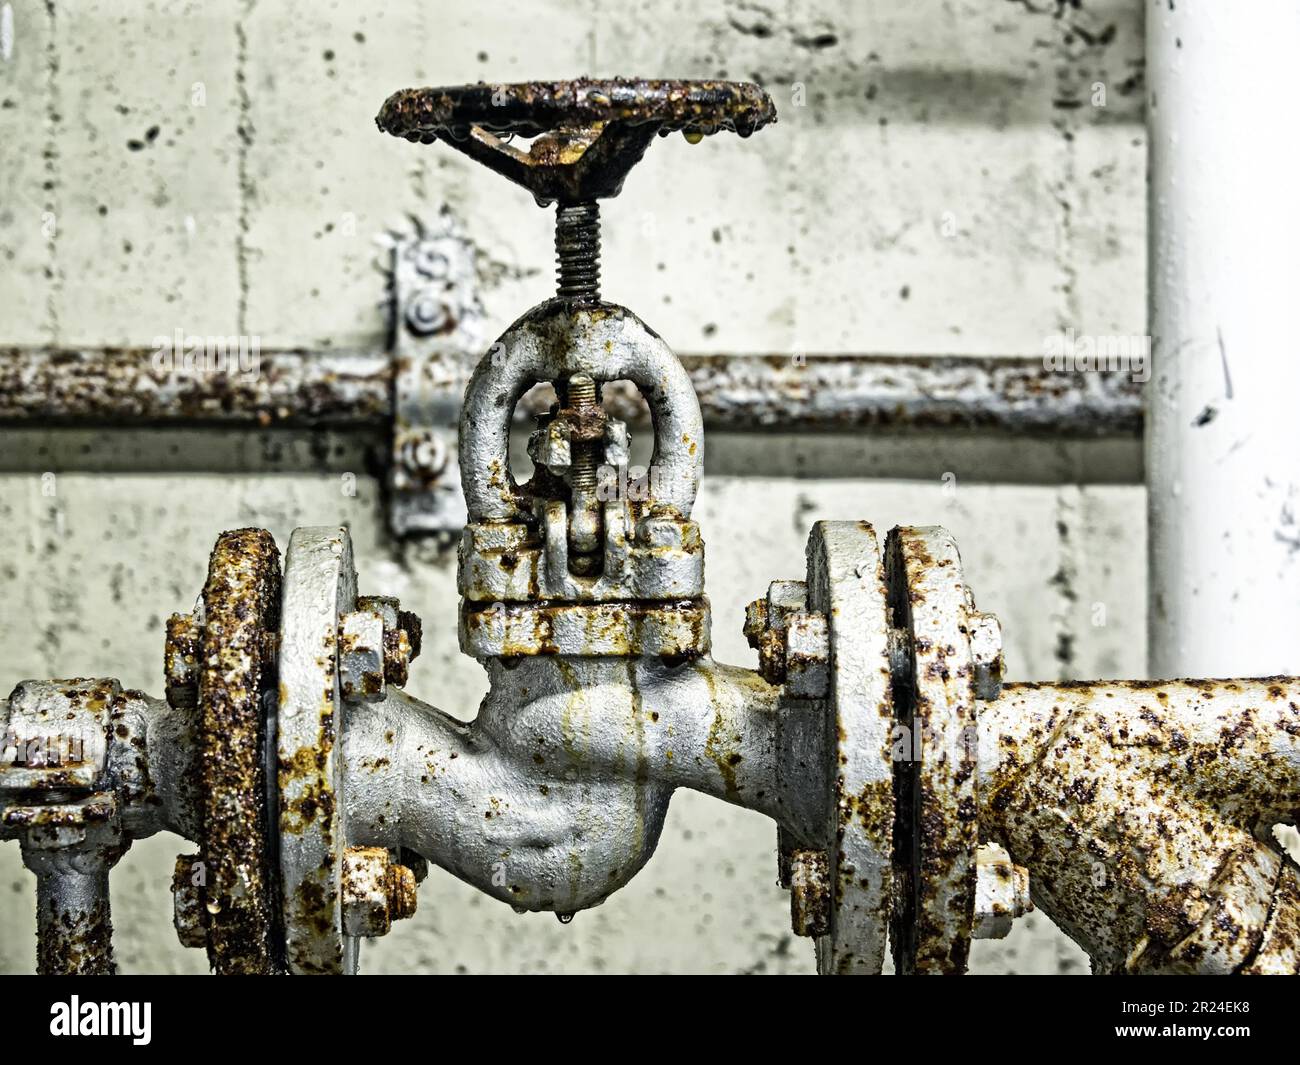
x=1224, y=267
x=133, y=386
x=121, y=386
x=1143, y=810
x=74, y=930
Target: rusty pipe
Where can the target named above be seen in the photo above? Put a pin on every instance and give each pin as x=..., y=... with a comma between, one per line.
x=1141, y=810
x=74, y=929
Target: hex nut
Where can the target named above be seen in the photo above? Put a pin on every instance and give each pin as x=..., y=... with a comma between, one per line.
x=361, y=656
x=189, y=914
x=765, y=622
x=181, y=662
x=1001, y=892
x=755, y=622
x=549, y=446
x=986, y=654
x=793, y=643
x=376, y=891
x=807, y=656
x=810, y=893
x=398, y=654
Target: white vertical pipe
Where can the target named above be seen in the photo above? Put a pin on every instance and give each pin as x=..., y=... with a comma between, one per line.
x=1223, y=406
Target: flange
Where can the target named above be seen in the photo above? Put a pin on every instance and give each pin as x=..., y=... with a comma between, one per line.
x=320, y=584
x=240, y=608
x=937, y=828
x=846, y=586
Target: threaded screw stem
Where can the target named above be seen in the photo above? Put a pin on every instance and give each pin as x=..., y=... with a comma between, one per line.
x=577, y=251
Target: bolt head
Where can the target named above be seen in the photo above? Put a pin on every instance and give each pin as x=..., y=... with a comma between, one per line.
x=1001, y=892
x=810, y=893
x=807, y=656
x=426, y=315
x=376, y=891
x=986, y=654
x=423, y=455
x=361, y=656
x=188, y=912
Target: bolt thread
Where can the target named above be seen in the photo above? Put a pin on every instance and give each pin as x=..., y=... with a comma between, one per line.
x=577, y=251
x=582, y=396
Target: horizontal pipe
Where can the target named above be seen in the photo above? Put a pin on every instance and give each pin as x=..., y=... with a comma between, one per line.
x=302, y=388
x=134, y=386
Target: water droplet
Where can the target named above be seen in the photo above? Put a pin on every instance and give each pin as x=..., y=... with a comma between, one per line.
x=521, y=910
x=693, y=136
x=213, y=907
x=564, y=918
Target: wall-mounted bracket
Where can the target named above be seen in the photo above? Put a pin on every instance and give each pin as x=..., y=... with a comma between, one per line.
x=436, y=339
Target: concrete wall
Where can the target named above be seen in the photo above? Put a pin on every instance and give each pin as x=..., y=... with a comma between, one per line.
x=948, y=186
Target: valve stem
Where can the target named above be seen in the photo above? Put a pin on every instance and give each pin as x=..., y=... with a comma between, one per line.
x=585, y=534
x=577, y=251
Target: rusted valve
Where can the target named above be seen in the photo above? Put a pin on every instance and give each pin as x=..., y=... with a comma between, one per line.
x=918, y=798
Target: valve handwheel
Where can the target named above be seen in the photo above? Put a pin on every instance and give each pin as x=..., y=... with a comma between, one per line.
x=590, y=133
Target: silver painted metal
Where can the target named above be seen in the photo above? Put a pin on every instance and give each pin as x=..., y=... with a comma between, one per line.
x=73, y=783
x=659, y=558
x=1140, y=809
x=554, y=795
x=376, y=892
x=554, y=341
x=853, y=743
x=986, y=653
x=361, y=655
x=626, y=629
x=56, y=736
x=1001, y=892
x=320, y=586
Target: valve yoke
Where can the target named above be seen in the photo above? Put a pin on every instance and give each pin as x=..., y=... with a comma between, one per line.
x=590, y=556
